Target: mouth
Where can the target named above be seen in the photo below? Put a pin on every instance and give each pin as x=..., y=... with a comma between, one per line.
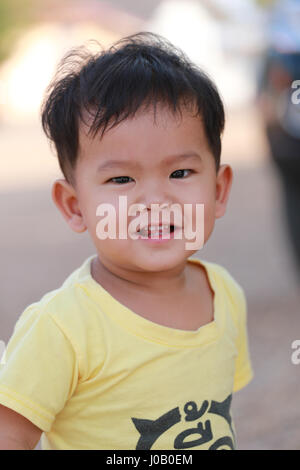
x=151, y=231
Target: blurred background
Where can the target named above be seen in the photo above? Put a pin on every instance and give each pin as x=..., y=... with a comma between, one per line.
x=257, y=240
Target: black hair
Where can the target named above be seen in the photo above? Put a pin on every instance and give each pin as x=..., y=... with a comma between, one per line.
x=140, y=70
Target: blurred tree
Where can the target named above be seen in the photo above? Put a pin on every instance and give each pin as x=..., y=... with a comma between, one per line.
x=14, y=16
x=265, y=3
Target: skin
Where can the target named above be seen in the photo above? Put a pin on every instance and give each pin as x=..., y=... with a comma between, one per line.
x=153, y=279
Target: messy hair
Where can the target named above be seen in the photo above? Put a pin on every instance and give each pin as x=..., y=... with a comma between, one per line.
x=112, y=85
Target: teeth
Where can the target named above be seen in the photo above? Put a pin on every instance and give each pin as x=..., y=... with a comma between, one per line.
x=162, y=227
x=155, y=230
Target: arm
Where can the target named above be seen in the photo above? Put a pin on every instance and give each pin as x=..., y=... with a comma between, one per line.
x=17, y=432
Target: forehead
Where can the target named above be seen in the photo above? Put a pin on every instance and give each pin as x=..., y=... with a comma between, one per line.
x=148, y=137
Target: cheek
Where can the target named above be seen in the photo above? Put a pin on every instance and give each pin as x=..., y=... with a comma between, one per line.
x=91, y=217
x=204, y=214
x=110, y=219
x=206, y=197
x=209, y=219
x=96, y=205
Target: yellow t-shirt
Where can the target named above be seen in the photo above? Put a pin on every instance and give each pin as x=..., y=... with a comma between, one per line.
x=92, y=374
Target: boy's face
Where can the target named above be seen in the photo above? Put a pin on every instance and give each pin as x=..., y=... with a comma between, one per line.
x=151, y=161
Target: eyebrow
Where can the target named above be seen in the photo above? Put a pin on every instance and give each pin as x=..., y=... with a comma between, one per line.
x=132, y=164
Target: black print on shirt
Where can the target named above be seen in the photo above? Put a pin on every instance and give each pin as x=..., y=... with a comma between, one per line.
x=150, y=430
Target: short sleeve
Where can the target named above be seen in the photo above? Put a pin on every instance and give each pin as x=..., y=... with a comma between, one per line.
x=39, y=370
x=243, y=367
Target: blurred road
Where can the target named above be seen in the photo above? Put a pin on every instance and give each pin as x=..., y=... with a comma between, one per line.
x=38, y=251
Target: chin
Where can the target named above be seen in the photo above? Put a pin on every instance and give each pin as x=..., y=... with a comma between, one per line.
x=161, y=261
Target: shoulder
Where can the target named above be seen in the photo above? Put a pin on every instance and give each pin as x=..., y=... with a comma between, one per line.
x=58, y=304
x=225, y=280
x=232, y=294
x=220, y=276
x=232, y=302
x=66, y=300
x=226, y=287
x=68, y=308
x=70, y=317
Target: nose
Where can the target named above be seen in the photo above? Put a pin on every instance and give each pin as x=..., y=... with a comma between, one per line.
x=154, y=192
x=162, y=205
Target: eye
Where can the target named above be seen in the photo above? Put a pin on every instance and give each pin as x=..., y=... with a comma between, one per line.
x=120, y=179
x=179, y=174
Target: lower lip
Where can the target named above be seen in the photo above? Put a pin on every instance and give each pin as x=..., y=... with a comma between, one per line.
x=158, y=240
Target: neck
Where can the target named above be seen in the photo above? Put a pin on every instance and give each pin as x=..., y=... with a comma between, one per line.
x=154, y=283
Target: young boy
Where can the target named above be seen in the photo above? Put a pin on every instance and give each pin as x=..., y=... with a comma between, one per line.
x=142, y=346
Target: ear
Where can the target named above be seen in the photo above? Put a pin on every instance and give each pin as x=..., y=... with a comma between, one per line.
x=223, y=186
x=65, y=199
